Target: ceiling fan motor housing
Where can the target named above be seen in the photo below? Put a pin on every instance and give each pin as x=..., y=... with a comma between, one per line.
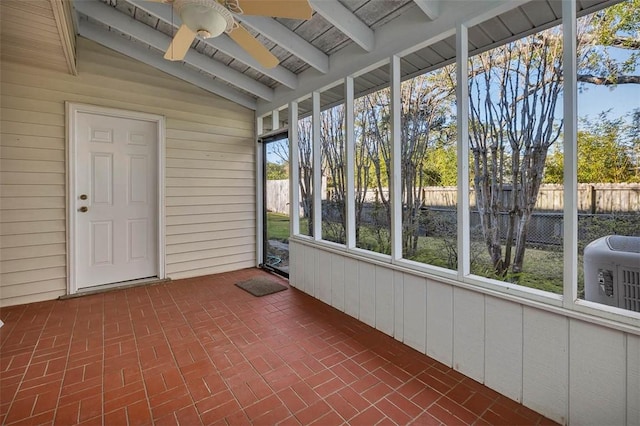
x=207, y=18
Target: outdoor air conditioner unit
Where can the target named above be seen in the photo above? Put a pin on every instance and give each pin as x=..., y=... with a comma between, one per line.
x=612, y=271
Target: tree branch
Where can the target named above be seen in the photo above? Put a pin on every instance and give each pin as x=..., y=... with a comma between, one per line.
x=625, y=43
x=609, y=81
x=615, y=41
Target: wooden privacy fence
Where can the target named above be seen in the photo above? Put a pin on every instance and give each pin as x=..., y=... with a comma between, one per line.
x=592, y=198
x=278, y=195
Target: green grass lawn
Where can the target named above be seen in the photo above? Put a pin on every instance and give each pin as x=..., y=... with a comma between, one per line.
x=277, y=226
x=543, y=269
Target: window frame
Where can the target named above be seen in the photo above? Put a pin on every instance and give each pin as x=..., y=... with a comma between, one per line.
x=566, y=303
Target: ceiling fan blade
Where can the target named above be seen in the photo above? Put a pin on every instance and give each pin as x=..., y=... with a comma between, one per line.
x=294, y=9
x=180, y=44
x=256, y=49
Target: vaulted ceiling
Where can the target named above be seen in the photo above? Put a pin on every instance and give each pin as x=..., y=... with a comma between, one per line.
x=143, y=30
x=342, y=37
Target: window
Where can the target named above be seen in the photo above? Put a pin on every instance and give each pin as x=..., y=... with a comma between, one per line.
x=372, y=160
x=515, y=120
x=305, y=182
x=429, y=168
x=514, y=181
x=332, y=140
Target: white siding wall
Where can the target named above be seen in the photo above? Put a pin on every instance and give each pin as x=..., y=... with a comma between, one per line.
x=565, y=368
x=37, y=15
x=210, y=177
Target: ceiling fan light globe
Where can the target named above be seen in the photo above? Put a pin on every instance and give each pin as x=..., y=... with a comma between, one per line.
x=203, y=20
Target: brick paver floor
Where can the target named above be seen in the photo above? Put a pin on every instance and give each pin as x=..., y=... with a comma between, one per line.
x=203, y=351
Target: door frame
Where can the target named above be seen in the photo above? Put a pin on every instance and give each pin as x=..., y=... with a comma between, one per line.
x=72, y=110
x=263, y=141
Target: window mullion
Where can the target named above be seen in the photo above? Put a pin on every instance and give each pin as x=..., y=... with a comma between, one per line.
x=294, y=171
x=317, y=168
x=350, y=201
x=569, y=32
x=462, y=107
x=395, y=194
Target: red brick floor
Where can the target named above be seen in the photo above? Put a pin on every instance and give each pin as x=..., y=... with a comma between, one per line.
x=202, y=351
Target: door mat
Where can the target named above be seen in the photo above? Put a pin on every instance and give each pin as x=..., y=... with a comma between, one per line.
x=261, y=286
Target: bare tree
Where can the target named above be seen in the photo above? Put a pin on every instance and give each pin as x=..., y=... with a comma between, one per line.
x=305, y=167
x=332, y=139
x=513, y=101
x=362, y=163
x=377, y=142
x=424, y=111
x=515, y=92
x=426, y=106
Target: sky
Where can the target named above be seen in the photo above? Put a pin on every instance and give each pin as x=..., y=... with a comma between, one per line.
x=621, y=99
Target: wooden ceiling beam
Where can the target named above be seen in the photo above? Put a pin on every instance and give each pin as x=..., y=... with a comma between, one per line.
x=344, y=20
x=431, y=8
x=288, y=40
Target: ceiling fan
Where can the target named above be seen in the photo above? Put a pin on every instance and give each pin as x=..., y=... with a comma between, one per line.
x=210, y=18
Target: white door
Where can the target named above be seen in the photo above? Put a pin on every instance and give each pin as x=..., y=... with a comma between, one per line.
x=115, y=198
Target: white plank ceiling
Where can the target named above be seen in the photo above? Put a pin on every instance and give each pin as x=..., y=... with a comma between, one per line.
x=311, y=48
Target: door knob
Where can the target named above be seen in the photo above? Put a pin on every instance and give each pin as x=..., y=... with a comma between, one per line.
x=83, y=209
x=83, y=197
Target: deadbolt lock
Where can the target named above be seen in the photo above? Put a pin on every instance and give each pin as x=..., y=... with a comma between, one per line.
x=83, y=197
